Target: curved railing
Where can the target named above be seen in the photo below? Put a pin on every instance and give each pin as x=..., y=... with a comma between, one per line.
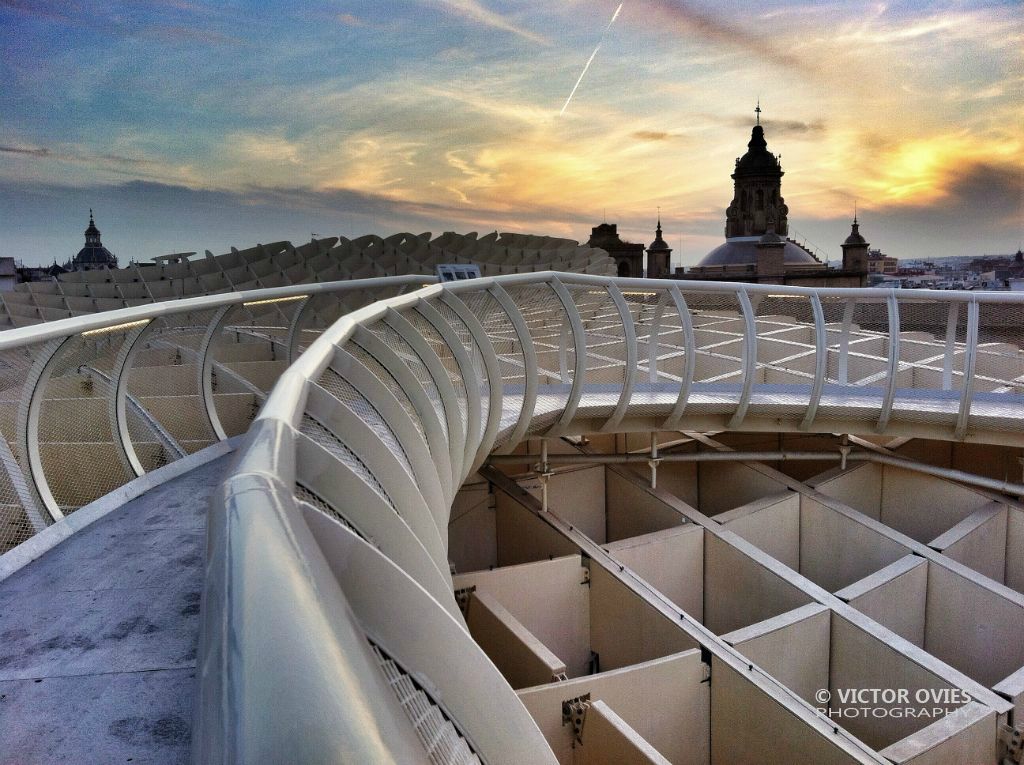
x=329, y=613
x=91, y=402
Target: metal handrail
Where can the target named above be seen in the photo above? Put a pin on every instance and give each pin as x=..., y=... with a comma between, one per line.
x=136, y=324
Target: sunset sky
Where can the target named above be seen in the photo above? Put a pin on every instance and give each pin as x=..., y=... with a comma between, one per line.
x=195, y=125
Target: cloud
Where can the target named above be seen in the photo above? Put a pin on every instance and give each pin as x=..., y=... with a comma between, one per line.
x=473, y=10
x=44, y=9
x=654, y=135
x=181, y=33
x=774, y=127
x=29, y=151
x=349, y=20
x=687, y=19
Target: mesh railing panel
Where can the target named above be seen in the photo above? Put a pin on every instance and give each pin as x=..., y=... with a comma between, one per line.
x=448, y=361
x=509, y=351
x=79, y=450
x=348, y=396
x=365, y=358
x=718, y=331
x=21, y=514
x=480, y=379
x=394, y=340
x=554, y=346
x=164, y=378
x=321, y=435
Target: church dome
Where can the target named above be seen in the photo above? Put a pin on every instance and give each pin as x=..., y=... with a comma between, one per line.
x=94, y=254
x=742, y=250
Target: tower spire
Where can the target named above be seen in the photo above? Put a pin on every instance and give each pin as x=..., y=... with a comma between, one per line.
x=757, y=110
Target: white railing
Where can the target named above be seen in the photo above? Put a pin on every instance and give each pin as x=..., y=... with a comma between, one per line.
x=91, y=402
x=328, y=540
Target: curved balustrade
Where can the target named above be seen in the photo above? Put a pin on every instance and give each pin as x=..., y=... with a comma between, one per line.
x=91, y=402
x=329, y=617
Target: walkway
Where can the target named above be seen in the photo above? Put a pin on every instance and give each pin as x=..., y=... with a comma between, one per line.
x=98, y=636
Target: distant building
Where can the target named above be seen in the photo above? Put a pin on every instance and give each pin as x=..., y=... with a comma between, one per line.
x=880, y=263
x=757, y=247
x=94, y=255
x=659, y=256
x=628, y=257
x=8, y=274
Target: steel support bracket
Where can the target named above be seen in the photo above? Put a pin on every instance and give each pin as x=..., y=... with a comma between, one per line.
x=574, y=712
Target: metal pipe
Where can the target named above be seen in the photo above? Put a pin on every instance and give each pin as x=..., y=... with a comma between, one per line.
x=616, y=459
x=960, y=476
x=993, y=484
x=653, y=462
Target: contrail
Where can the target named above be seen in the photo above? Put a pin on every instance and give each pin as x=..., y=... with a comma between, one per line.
x=590, y=60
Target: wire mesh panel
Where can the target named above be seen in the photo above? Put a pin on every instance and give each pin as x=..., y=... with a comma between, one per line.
x=80, y=452
x=247, y=353
x=316, y=314
x=932, y=356
x=319, y=311
x=719, y=341
x=21, y=514
x=501, y=334
x=349, y=397
x=786, y=359
x=367, y=359
x=400, y=346
x=444, y=353
x=857, y=330
x=163, y=379
x=479, y=380
x=555, y=347
x=605, y=337
x=657, y=336
x=998, y=392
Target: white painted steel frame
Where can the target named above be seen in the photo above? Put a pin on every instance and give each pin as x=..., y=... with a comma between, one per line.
x=273, y=441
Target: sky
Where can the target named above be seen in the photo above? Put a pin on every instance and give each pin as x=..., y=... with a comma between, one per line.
x=194, y=125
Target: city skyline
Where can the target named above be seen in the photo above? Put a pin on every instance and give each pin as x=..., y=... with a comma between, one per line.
x=188, y=126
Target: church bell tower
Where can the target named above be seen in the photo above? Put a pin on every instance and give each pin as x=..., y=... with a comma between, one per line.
x=757, y=202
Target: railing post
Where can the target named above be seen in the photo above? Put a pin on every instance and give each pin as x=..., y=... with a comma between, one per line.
x=653, y=462
x=970, y=361
x=28, y=422
x=515, y=316
x=842, y=371
x=205, y=366
x=292, y=339
x=493, y=368
x=445, y=389
x=947, y=362
x=580, y=367
x=629, y=373
x=119, y=419
x=894, y=361
x=820, y=362
x=749, y=359
x=652, y=339
x=689, y=359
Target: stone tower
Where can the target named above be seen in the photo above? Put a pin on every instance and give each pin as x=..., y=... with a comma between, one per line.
x=855, y=250
x=658, y=256
x=757, y=195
